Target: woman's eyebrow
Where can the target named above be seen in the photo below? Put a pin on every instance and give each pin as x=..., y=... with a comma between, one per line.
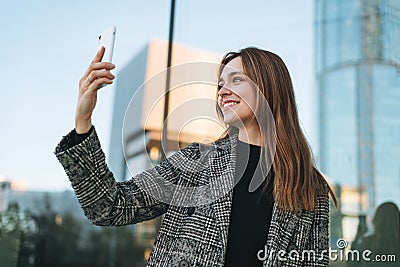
x=233, y=73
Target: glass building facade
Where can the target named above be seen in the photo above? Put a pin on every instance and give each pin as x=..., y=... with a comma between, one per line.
x=358, y=79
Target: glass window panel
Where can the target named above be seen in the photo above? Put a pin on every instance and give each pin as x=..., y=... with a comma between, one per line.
x=340, y=126
x=331, y=43
x=386, y=108
x=350, y=44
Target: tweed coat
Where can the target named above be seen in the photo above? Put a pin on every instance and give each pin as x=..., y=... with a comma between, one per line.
x=189, y=236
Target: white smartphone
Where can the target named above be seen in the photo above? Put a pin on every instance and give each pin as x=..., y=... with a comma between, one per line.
x=107, y=39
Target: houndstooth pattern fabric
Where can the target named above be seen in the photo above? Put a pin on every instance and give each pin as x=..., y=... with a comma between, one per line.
x=189, y=236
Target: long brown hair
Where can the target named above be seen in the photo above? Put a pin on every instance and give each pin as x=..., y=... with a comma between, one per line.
x=297, y=181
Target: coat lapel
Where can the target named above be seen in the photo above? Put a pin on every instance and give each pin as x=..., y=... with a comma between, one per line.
x=288, y=230
x=282, y=228
x=222, y=206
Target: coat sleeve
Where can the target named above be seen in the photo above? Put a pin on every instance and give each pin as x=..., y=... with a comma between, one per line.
x=107, y=202
x=319, y=236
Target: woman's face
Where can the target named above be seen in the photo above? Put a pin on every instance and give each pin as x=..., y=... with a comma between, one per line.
x=236, y=96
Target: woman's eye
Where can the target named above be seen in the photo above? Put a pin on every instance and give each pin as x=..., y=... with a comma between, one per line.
x=237, y=79
x=220, y=86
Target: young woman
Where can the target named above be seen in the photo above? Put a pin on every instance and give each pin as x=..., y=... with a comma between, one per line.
x=283, y=222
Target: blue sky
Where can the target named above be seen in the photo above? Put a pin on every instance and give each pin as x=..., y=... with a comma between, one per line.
x=46, y=46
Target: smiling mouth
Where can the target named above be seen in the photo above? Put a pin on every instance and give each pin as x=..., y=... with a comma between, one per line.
x=230, y=104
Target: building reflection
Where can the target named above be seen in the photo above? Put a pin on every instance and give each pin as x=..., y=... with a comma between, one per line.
x=358, y=79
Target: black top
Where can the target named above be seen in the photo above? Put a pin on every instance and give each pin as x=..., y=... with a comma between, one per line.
x=251, y=212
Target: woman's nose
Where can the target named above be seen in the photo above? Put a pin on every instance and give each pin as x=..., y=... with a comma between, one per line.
x=224, y=91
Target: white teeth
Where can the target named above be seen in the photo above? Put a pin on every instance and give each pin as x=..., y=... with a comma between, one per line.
x=230, y=104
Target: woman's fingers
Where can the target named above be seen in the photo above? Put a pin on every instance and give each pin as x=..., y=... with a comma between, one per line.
x=100, y=66
x=95, y=71
x=98, y=82
x=98, y=74
x=96, y=64
x=97, y=58
x=99, y=55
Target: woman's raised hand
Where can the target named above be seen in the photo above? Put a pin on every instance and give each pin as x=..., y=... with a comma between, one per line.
x=96, y=75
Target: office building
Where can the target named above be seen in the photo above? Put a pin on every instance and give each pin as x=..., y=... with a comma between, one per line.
x=358, y=79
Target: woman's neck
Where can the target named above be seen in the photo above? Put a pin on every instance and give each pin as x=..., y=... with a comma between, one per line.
x=250, y=136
